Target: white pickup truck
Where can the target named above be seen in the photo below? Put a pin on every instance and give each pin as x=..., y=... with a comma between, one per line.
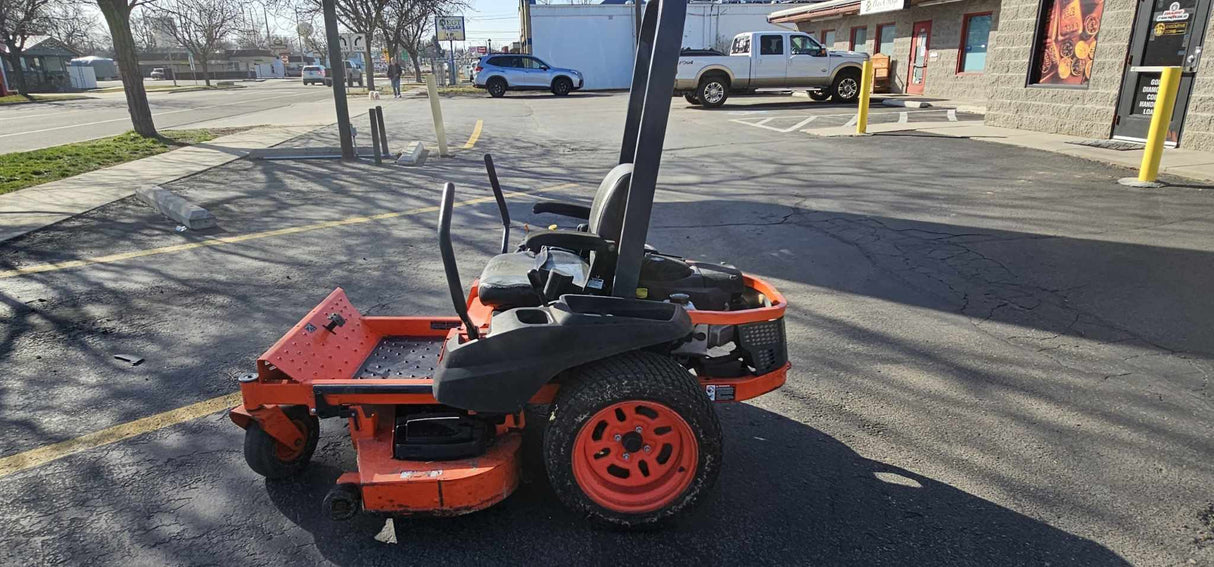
x=769, y=59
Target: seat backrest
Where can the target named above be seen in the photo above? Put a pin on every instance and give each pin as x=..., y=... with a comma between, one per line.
x=607, y=211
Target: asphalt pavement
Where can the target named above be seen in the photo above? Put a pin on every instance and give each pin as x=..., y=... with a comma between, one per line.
x=281, y=102
x=1001, y=357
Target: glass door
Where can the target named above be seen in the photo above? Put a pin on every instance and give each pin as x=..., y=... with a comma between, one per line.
x=918, y=57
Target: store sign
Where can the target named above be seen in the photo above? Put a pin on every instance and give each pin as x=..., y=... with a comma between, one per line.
x=450, y=28
x=482, y=49
x=878, y=6
x=1174, y=13
x=1171, y=33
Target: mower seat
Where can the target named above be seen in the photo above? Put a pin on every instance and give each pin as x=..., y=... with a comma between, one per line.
x=505, y=283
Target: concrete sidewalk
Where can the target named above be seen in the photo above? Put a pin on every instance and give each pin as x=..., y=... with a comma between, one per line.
x=41, y=205
x=1179, y=162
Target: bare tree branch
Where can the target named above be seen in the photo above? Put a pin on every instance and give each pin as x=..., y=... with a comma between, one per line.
x=200, y=26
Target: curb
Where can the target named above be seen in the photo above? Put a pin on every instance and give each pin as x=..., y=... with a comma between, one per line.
x=175, y=207
x=898, y=102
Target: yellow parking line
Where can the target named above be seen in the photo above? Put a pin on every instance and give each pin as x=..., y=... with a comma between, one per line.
x=45, y=454
x=476, y=134
x=222, y=241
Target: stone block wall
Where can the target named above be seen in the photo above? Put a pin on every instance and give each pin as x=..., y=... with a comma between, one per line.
x=1086, y=112
x=942, y=80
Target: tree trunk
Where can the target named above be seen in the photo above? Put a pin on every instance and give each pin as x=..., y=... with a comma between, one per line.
x=369, y=72
x=417, y=66
x=118, y=15
x=14, y=60
x=206, y=71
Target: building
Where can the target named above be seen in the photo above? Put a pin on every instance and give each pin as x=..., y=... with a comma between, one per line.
x=1078, y=67
x=599, y=39
x=44, y=62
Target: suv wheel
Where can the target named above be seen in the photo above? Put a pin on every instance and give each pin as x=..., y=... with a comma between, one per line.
x=561, y=86
x=846, y=87
x=713, y=91
x=496, y=87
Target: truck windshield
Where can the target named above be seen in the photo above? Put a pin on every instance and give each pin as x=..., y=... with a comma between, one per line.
x=741, y=45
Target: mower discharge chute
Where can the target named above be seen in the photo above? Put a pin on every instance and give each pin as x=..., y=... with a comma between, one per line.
x=626, y=348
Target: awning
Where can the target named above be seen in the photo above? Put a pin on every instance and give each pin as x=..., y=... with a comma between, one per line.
x=815, y=11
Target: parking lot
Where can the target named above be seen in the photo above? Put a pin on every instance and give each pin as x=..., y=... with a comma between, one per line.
x=1000, y=356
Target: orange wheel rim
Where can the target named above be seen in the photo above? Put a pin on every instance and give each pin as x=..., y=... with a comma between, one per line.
x=635, y=456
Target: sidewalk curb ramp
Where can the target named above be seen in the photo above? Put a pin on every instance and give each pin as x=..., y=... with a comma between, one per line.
x=175, y=207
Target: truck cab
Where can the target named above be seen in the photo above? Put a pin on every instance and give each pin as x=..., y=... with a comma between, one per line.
x=770, y=59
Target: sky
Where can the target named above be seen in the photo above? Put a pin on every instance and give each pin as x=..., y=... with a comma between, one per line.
x=495, y=20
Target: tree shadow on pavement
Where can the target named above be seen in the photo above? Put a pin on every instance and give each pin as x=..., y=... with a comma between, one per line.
x=788, y=494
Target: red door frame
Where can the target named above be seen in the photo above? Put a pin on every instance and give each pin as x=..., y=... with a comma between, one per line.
x=911, y=88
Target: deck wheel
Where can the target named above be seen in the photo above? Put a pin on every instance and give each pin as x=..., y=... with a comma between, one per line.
x=272, y=459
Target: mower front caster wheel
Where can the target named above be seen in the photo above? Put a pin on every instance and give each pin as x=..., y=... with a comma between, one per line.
x=272, y=459
x=632, y=440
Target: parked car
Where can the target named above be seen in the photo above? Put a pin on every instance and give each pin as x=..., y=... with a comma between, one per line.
x=499, y=73
x=158, y=74
x=323, y=75
x=769, y=59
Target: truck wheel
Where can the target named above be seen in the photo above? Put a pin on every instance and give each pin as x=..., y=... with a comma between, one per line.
x=846, y=86
x=561, y=86
x=272, y=459
x=691, y=98
x=819, y=95
x=632, y=440
x=496, y=87
x=713, y=91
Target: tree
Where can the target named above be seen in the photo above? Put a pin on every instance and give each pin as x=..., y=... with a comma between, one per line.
x=407, y=24
x=361, y=16
x=75, y=25
x=200, y=25
x=19, y=20
x=118, y=17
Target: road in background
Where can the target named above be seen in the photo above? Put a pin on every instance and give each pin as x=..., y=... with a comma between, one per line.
x=281, y=102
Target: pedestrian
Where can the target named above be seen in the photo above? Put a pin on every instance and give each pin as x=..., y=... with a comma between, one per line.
x=394, y=76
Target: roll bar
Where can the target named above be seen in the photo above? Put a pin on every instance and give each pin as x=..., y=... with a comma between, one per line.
x=501, y=202
x=653, y=73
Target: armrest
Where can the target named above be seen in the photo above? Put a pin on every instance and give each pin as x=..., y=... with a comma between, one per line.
x=569, y=239
x=564, y=209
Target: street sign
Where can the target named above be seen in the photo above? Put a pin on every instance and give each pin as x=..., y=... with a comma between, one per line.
x=450, y=28
x=353, y=42
x=482, y=49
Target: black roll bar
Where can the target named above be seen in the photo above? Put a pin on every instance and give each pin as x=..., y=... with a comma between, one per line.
x=448, y=254
x=656, y=63
x=501, y=202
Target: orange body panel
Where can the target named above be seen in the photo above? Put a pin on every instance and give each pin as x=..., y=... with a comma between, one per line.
x=432, y=487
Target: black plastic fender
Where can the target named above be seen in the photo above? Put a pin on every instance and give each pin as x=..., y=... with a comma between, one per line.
x=527, y=347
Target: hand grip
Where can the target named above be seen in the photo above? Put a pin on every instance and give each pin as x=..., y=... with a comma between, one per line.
x=448, y=254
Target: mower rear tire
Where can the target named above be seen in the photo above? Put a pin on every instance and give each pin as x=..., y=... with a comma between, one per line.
x=632, y=440
x=270, y=458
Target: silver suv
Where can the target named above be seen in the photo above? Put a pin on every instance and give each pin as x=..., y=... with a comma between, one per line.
x=499, y=73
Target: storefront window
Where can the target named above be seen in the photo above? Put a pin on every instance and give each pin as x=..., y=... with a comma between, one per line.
x=885, y=38
x=859, y=39
x=828, y=38
x=1066, y=42
x=976, y=30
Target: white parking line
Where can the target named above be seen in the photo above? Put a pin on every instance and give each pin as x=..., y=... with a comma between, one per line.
x=902, y=118
x=127, y=118
x=763, y=123
x=952, y=115
x=851, y=122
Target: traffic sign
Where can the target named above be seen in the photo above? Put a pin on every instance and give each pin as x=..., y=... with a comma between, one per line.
x=353, y=42
x=450, y=28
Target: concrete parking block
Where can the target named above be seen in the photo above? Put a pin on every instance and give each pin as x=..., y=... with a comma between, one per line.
x=415, y=154
x=905, y=103
x=175, y=207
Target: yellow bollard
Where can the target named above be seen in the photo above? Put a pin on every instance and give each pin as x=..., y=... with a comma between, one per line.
x=437, y=112
x=866, y=87
x=1161, y=117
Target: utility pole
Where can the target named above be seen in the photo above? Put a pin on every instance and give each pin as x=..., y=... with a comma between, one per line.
x=339, y=79
x=267, y=19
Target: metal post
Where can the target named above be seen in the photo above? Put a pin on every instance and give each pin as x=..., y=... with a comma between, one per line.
x=437, y=113
x=451, y=56
x=866, y=87
x=375, y=136
x=1161, y=118
x=383, y=131
x=339, y=72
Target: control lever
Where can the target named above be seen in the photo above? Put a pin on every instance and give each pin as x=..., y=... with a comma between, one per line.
x=501, y=202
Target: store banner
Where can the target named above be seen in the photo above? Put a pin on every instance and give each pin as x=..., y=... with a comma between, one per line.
x=1067, y=42
x=878, y=6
